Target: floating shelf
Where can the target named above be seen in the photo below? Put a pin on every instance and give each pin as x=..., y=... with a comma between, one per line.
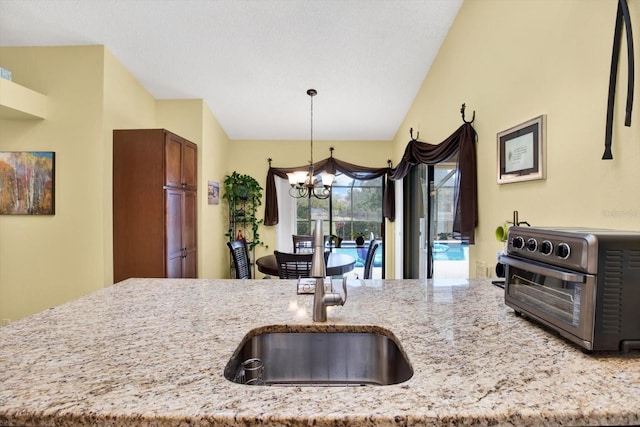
x=20, y=103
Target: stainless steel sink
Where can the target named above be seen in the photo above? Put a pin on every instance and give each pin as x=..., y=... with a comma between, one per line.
x=324, y=358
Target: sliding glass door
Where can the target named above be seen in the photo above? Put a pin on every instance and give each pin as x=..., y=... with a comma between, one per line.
x=430, y=249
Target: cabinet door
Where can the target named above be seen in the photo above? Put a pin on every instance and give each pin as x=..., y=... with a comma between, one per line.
x=173, y=233
x=190, y=165
x=181, y=162
x=173, y=160
x=189, y=234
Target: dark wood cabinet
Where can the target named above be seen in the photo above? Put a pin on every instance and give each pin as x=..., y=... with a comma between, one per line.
x=181, y=233
x=154, y=205
x=181, y=160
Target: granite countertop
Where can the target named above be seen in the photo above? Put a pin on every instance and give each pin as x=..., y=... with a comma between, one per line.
x=151, y=352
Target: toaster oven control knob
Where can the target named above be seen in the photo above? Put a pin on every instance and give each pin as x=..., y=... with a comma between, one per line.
x=518, y=242
x=563, y=251
x=532, y=245
x=546, y=247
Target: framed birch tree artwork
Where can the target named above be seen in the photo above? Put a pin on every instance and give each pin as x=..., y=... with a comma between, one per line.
x=27, y=183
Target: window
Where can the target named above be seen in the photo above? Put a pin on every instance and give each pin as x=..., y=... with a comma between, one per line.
x=353, y=210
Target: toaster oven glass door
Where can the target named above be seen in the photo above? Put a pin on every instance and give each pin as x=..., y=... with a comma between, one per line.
x=562, y=299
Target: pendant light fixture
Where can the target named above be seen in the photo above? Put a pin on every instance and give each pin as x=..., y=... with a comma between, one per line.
x=303, y=184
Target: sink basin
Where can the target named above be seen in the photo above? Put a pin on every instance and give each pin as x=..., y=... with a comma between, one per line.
x=323, y=358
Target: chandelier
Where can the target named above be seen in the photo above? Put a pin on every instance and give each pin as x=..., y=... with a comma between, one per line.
x=303, y=184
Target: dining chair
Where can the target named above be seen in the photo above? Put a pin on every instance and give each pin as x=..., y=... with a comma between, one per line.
x=240, y=256
x=368, y=263
x=302, y=243
x=293, y=265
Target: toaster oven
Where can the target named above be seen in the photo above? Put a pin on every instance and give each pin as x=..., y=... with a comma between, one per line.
x=583, y=283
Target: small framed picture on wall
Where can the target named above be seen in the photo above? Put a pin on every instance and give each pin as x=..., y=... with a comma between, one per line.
x=27, y=183
x=213, y=193
x=521, y=152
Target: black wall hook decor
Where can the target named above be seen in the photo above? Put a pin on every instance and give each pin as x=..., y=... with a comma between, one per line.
x=464, y=119
x=473, y=117
x=623, y=17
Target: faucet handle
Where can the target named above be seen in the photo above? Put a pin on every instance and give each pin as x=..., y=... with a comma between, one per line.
x=344, y=288
x=333, y=298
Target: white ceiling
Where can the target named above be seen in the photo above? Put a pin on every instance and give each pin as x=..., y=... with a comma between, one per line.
x=252, y=61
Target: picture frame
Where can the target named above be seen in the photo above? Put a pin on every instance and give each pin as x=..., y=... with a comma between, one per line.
x=521, y=152
x=213, y=192
x=27, y=183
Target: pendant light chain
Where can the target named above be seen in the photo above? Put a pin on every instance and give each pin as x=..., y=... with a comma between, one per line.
x=311, y=93
x=303, y=185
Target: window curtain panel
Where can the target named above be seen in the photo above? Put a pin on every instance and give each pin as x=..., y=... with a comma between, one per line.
x=462, y=142
x=329, y=165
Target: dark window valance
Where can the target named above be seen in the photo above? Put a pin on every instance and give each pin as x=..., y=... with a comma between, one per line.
x=329, y=165
x=462, y=142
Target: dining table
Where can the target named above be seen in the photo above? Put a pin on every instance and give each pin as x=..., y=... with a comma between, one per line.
x=337, y=264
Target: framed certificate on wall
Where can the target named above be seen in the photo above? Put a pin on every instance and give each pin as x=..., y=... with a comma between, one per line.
x=521, y=152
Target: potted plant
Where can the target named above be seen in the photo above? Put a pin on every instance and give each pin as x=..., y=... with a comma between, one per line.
x=243, y=195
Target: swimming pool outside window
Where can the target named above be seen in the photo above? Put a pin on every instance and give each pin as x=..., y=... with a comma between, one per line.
x=354, y=209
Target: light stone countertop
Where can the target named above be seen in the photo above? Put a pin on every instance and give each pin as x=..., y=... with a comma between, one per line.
x=151, y=352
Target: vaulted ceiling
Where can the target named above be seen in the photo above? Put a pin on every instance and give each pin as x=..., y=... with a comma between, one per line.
x=252, y=61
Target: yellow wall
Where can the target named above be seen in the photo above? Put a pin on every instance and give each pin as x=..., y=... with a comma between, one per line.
x=46, y=260
x=512, y=61
x=213, y=219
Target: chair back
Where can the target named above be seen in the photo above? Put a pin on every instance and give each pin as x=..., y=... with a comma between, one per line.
x=368, y=263
x=240, y=256
x=293, y=266
x=302, y=243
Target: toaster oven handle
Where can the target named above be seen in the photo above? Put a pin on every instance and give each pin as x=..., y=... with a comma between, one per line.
x=540, y=269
